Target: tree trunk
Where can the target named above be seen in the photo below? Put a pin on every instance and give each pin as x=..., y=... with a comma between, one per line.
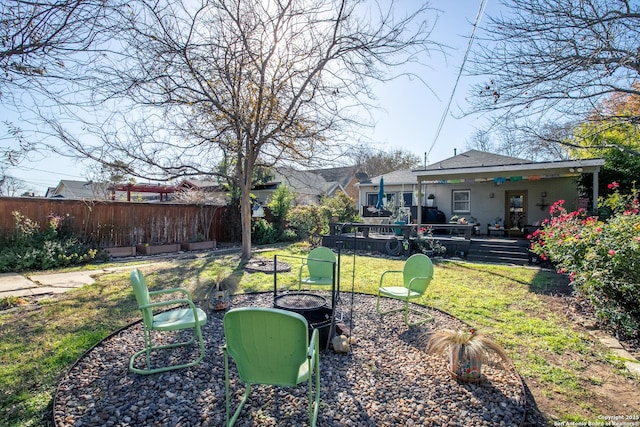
x=245, y=174
x=245, y=218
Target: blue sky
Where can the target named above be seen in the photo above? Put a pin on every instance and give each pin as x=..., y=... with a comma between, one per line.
x=409, y=115
x=413, y=112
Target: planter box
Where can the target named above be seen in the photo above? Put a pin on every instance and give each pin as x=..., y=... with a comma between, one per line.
x=157, y=249
x=121, y=251
x=198, y=246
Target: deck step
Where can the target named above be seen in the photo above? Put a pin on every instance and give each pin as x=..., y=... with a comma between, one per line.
x=504, y=251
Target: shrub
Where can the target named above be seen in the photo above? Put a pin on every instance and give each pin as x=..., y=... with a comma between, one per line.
x=281, y=202
x=262, y=232
x=426, y=244
x=341, y=206
x=30, y=248
x=602, y=258
x=309, y=222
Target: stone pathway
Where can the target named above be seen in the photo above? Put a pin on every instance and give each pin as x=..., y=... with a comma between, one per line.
x=16, y=285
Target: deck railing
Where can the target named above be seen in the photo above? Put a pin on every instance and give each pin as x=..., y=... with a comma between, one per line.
x=460, y=230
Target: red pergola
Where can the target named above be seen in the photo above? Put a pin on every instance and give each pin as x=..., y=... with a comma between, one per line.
x=163, y=190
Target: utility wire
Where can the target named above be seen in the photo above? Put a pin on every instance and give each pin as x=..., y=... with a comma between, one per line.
x=483, y=5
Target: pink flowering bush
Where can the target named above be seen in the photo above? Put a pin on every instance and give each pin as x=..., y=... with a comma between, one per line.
x=602, y=258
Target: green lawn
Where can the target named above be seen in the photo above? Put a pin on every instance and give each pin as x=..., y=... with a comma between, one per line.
x=39, y=343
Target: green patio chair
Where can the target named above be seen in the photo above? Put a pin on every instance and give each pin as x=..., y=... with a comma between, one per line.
x=416, y=276
x=189, y=317
x=320, y=268
x=271, y=346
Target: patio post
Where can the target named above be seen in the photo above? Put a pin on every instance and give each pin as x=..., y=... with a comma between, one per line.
x=595, y=190
x=419, y=216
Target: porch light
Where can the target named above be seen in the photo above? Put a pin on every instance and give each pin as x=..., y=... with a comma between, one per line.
x=578, y=169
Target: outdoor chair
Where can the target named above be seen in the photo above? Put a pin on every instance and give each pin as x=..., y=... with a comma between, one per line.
x=416, y=276
x=320, y=268
x=186, y=317
x=271, y=346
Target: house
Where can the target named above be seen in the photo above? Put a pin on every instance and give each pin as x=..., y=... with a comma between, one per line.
x=80, y=190
x=201, y=191
x=89, y=190
x=199, y=185
x=311, y=185
x=490, y=188
x=346, y=176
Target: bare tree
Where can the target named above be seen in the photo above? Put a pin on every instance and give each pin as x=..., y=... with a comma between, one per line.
x=9, y=185
x=245, y=84
x=376, y=163
x=522, y=141
x=42, y=38
x=557, y=60
x=43, y=45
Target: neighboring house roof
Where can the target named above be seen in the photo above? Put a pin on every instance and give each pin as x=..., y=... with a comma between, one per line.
x=307, y=183
x=80, y=190
x=51, y=191
x=341, y=175
x=200, y=184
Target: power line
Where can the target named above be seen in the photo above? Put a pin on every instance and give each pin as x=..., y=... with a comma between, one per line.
x=27, y=169
x=483, y=5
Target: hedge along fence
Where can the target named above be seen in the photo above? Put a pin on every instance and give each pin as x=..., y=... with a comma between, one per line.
x=115, y=223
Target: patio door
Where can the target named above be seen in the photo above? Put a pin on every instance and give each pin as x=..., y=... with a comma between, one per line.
x=516, y=212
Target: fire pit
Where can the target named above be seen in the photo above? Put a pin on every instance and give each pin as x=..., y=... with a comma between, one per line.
x=312, y=307
x=300, y=302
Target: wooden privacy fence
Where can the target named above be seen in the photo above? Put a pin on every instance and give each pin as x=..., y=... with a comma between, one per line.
x=114, y=223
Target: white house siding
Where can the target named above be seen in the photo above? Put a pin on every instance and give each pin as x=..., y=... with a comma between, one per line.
x=486, y=208
x=484, y=176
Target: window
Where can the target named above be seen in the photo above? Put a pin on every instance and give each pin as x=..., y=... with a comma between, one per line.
x=461, y=201
x=392, y=198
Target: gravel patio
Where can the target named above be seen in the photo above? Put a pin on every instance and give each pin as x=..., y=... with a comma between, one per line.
x=386, y=380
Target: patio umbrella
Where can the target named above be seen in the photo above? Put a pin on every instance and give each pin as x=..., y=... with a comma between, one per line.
x=380, y=203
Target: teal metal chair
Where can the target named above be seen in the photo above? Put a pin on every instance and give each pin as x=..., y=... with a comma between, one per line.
x=319, y=267
x=416, y=276
x=189, y=317
x=271, y=346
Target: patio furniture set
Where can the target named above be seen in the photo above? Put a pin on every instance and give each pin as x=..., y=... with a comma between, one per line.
x=276, y=346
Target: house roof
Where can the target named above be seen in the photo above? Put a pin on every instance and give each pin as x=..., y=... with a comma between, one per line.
x=341, y=175
x=476, y=158
x=479, y=164
x=79, y=190
x=307, y=182
x=399, y=177
x=200, y=184
x=482, y=165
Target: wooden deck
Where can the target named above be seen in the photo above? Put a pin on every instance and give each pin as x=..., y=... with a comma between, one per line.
x=390, y=238
x=458, y=239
